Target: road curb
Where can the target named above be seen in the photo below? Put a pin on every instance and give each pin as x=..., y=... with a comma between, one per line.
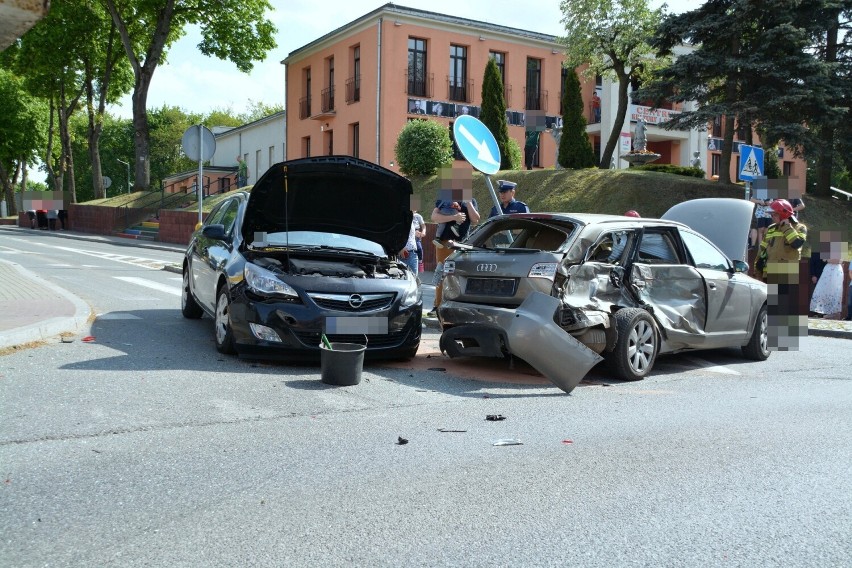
x=52, y=327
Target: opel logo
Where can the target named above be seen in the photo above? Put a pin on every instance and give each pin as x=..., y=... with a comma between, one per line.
x=486, y=268
x=355, y=300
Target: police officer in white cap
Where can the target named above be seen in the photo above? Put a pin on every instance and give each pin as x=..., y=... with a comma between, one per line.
x=508, y=203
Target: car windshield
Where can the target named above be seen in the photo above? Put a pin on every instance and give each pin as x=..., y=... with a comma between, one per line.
x=522, y=234
x=316, y=239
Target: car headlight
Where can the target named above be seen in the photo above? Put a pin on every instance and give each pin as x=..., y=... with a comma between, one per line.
x=543, y=270
x=265, y=282
x=411, y=295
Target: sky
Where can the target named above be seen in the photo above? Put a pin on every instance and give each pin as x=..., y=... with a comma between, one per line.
x=201, y=84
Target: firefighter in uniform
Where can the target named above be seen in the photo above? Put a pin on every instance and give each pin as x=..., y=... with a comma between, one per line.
x=777, y=264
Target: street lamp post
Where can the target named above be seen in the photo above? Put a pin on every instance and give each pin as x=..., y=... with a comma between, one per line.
x=128, y=172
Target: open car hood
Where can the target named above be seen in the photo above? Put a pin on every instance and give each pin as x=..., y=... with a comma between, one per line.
x=723, y=220
x=335, y=194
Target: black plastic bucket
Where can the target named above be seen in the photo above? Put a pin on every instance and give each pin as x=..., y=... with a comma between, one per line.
x=342, y=364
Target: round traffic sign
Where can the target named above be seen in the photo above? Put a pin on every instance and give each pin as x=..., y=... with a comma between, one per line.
x=198, y=143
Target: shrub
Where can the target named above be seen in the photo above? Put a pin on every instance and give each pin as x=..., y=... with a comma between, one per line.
x=422, y=147
x=689, y=171
x=516, y=157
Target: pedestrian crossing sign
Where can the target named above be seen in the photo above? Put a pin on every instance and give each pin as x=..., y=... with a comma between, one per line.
x=751, y=162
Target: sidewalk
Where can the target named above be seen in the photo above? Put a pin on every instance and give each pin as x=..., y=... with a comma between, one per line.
x=33, y=309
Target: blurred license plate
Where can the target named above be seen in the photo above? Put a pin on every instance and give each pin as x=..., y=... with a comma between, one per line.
x=491, y=286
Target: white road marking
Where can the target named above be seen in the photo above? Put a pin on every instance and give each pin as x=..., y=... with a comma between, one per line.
x=175, y=290
x=708, y=366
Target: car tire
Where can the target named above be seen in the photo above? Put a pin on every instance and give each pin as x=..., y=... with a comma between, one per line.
x=757, y=348
x=636, y=347
x=224, y=333
x=188, y=306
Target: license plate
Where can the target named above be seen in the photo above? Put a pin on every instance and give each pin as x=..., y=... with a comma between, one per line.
x=491, y=286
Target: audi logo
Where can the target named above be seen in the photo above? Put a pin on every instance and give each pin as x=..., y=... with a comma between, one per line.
x=486, y=268
x=355, y=300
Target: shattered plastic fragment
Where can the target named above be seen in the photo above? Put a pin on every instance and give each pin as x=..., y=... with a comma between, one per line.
x=507, y=442
x=567, y=442
x=401, y=441
x=450, y=430
x=88, y=338
x=495, y=417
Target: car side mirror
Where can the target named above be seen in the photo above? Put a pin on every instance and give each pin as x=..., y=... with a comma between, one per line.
x=216, y=232
x=740, y=266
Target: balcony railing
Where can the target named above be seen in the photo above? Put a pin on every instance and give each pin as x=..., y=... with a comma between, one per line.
x=419, y=84
x=353, y=89
x=460, y=92
x=535, y=100
x=327, y=99
x=305, y=107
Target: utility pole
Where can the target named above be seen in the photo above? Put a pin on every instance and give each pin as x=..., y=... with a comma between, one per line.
x=128, y=172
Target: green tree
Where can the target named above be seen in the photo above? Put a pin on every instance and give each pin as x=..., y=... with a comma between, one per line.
x=236, y=30
x=493, y=111
x=575, y=150
x=610, y=38
x=752, y=64
x=23, y=128
x=422, y=147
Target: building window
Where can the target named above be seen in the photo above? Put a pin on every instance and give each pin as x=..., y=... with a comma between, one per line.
x=257, y=164
x=715, y=164
x=787, y=169
x=305, y=101
x=500, y=59
x=458, y=74
x=271, y=155
x=355, y=139
x=327, y=101
x=533, y=89
x=353, y=83
x=417, y=67
x=716, y=128
x=306, y=147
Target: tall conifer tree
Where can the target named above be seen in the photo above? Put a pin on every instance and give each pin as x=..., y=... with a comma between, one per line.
x=575, y=150
x=493, y=113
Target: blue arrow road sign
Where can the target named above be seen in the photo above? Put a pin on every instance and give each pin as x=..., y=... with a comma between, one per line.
x=751, y=162
x=477, y=144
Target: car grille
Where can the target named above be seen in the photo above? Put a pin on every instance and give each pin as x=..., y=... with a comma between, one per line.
x=350, y=302
x=501, y=287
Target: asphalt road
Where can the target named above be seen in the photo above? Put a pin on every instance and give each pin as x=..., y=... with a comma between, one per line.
x=146, y=447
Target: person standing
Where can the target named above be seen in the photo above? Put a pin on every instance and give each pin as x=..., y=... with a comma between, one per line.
x=419, y=231
x=508, y=203
x=763, y=218
x=461, y=221
x=781, y=245
x=596, y=107
x=409, y=253
x=530, y=148
x=827, y=299
x=242, y=172
x=777, y=264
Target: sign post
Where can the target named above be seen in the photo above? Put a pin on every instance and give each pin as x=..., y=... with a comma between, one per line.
x=200, y=145
x=479, y=147
x=750, y=166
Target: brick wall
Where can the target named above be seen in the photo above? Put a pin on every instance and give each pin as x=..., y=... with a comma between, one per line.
x=177, y=226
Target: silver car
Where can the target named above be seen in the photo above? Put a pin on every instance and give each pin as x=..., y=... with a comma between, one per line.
x=565, y=291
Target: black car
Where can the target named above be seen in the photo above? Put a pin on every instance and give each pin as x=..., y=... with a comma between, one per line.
x=312, y=249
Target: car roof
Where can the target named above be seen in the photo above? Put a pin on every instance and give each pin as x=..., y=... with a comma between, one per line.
x=587, y=219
